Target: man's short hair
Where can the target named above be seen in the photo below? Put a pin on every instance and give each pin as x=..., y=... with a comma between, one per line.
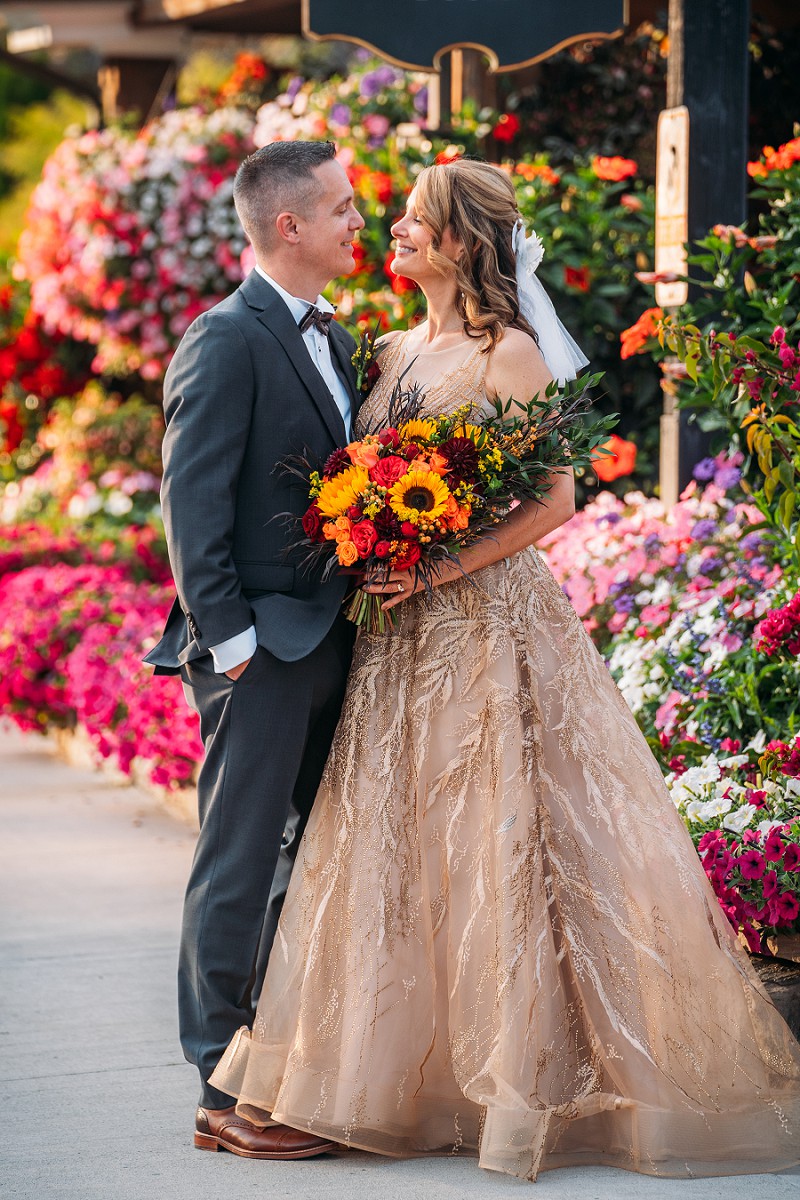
x=277, y=178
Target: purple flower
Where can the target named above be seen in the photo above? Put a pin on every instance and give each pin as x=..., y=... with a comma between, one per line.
x=651, y=543
x=624, y=604
x=704, y=528
x=609, y=519
x=727, y=477
x=705, y=469
x=711, y=564
x=751, y=542
x=421, y=101
x=294, y=86
x=340, y=114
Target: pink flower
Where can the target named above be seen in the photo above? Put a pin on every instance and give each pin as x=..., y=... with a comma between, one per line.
x=791, y=857
x=751, y=864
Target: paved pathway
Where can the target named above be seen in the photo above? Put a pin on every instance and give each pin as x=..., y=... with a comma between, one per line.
x=98, y=1100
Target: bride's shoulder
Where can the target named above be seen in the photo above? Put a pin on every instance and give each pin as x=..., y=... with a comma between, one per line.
x=516, y=366
x=386, y=339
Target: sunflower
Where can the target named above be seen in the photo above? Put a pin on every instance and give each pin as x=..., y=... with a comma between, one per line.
x=418, y=494
x=413, y=431
x=473, y=432
x=344, y=490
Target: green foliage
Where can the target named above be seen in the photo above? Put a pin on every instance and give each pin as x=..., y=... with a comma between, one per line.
x=32, y=135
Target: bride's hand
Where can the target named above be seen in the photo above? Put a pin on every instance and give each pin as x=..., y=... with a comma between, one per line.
x=397, y=587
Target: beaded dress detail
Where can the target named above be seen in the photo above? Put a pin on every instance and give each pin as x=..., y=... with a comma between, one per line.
x=498, y=938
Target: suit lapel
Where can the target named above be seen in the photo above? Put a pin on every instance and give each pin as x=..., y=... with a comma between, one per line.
x=276, y=317
x=341, y=348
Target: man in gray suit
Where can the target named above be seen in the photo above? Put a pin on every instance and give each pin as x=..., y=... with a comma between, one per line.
x=261, y=646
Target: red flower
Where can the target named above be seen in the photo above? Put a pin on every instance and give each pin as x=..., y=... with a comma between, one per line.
x=791, y=857
x=312, y=523
x=774, y=846
x=382, y=549
x=408, y=553
x=614, y=169
x=620, y=462
x=365, y=536
x=389, y=437
x=389, y=470
x=751, y=864
x=506, y=128
x=577, y=278
x=786, y=907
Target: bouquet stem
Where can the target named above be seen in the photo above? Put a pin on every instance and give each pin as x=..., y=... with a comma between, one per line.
x=365, y=611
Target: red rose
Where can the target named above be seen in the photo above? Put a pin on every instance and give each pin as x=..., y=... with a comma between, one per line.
x=354, y=512
x=382, y=549
x=365, y=536
x=408, y=553
x=312, y=523
x=389, y=437
x=388, y=470
x=373, y=375
x=409, y=531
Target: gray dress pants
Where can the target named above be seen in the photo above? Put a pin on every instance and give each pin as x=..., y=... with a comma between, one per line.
x=267, y=737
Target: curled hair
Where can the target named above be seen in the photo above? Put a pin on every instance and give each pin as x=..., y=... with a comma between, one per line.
x=477, y=202
x=275, y=179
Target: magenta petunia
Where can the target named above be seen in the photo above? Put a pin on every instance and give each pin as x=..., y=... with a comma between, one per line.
x=751, y=864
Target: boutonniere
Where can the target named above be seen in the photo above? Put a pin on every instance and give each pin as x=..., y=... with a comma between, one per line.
x=365, y=360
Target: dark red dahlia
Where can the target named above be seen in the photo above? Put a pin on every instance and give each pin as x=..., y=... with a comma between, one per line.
x=336, y=463
x=462, y=458
x=387, y=525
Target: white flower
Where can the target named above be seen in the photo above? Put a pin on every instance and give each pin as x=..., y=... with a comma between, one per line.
x=740, y=819
x=714, y=808
x=118, y=504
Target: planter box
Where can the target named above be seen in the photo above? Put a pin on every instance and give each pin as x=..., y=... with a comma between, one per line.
x=76, y=748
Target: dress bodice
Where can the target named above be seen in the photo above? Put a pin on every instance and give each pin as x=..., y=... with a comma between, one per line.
x=463, y=381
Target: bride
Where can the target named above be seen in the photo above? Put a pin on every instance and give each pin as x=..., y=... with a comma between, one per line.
x=498, y=938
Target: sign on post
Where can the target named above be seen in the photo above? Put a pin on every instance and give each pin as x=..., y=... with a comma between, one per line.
x=672, y=204
x=511, y=33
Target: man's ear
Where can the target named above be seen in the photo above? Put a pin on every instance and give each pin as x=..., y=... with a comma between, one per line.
x=286, y=227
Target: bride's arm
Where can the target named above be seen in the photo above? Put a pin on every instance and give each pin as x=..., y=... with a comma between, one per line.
x=516, y=368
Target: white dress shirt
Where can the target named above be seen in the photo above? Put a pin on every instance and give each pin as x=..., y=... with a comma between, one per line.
x=242, y=646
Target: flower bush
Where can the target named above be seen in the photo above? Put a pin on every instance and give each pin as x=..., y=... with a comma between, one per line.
x=128, y=238
x=35, y=369
x=71, y=646
x=743, y=813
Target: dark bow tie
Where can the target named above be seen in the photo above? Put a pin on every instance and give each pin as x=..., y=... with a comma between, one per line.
x=320, y=320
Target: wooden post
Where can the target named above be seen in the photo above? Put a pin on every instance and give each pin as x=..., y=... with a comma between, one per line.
x=708, y=72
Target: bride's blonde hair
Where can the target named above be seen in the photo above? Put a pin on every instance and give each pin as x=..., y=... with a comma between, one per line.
x=479, y=205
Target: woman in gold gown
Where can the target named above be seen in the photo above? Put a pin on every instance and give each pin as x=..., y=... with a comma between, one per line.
x=498, y=938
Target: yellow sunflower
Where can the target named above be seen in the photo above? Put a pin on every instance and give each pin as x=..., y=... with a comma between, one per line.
x=419, y=494
x=473, y=432
x=346, y=488
x=416, y=431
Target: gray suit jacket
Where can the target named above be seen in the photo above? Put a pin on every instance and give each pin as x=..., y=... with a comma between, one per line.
x=240, y=395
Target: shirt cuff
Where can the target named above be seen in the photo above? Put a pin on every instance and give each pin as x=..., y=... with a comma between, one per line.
x=234, y=651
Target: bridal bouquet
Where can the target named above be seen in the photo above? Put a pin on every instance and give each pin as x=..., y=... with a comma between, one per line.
x=417, y=489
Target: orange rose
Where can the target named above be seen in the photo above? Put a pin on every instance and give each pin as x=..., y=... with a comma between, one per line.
x=346, y=553
x=620, y=462
x=363, y=454
x=438, y=463
x=329, y=531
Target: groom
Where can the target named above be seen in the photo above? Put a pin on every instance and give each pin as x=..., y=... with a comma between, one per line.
x=261, y=646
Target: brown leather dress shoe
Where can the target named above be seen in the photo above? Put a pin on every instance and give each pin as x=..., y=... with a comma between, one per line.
x=221, y=1129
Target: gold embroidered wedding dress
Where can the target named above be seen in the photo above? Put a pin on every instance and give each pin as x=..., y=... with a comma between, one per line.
x=498, y=937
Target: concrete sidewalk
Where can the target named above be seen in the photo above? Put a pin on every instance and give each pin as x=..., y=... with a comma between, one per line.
x=99, y=1101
